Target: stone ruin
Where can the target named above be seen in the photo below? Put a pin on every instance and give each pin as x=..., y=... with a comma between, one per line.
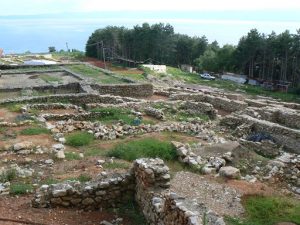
x=147, y=183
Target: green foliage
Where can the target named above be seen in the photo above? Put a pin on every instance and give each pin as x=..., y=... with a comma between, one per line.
x=20, y=188
x=72, y=156
x=34, y=131
x=116, y=165
x=109, y=115
x=51, y=49
x=147, y=147
x=268, y=211
x=8, y=175
x=14, y=107
x=79, y=139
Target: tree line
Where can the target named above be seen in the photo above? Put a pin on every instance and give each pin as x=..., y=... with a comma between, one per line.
x=258, y=55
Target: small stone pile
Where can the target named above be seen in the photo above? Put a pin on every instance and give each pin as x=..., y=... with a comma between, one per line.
x=104, y=132
x=156, y=113
x=209, y=165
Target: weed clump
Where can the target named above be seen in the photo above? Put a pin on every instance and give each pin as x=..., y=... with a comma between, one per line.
x=79, y=139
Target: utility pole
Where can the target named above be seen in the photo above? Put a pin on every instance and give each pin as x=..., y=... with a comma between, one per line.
x=67, y=47
x=103, y=53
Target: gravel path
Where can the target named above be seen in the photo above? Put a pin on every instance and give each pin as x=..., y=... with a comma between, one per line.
x=218, y=197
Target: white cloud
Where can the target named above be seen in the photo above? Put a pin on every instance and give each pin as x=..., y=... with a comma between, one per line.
x=194, y=5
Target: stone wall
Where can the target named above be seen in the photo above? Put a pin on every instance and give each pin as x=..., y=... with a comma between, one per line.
x=289, y=138
x=199, y=108
x=218, y=102
x=54, y=89
x=80, y=98
x=284, y=116
x=107, y=192
x=126, y=90
x=147, y=182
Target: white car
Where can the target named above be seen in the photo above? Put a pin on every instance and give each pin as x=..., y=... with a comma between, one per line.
x=207, y=76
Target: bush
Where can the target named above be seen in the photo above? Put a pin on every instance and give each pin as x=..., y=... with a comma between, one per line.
x=262, y=210
x=79, y=139
x=34, y=131
x=147, y=147
x=19, y=189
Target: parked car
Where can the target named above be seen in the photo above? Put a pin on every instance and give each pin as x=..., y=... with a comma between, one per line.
x=207, y=76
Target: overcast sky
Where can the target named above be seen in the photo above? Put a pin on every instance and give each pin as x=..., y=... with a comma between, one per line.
x=222, y=20
x=17, y=7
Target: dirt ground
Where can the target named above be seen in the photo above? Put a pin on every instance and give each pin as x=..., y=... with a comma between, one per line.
x=17, y=211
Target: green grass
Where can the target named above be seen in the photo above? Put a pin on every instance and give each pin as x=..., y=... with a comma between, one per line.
x=78, y=139
x=95, y=74
x=93, y=152
x=72, y=156
x=50, y=79
x=268, y=211
x=34, y=131
x=8, y=175
x=113, y=115
x=49, y=181
x=116, y=165
x=82, y=178
x=110, y=115
x=13, y=107
x=192, y=78
x=20, y=188
x=147, y=147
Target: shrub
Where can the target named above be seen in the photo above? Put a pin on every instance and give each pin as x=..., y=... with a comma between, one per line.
x=20, y=188
x=147, y=147
x=34, y=131
x=79, y=139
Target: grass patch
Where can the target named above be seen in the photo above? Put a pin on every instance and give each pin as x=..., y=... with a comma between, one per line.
x=79, y=139
x=93, y=152
x=20, y=189
x=110, y=115
x=72, y=156
x=82, y=178
x=8, y=175
x=262, y=210
x=49, y=181
x=14, y=107
x=116, y=165
x=95, y=74
x=50, y=79
x=147, y=147
x=34, y=131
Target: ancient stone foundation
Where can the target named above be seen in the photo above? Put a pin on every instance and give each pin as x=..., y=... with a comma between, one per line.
x=147, y=182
